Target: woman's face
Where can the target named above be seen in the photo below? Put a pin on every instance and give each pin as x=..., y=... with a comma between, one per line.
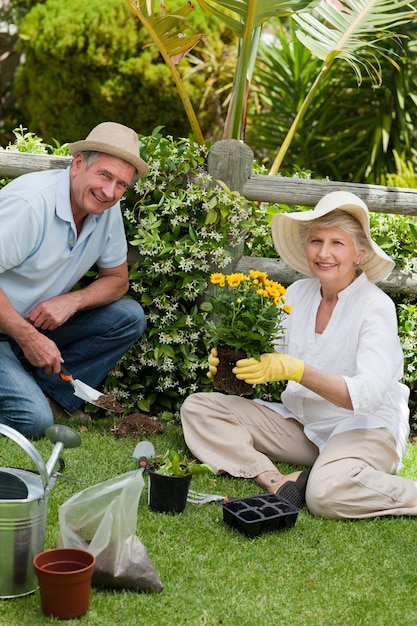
x=332, y=257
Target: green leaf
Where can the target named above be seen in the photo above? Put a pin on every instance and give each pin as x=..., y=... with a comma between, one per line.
x=211, y=217
x=242, y=16
x=198, y=469
x=144, y=405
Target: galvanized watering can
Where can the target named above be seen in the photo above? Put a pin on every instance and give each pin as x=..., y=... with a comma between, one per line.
x=23, y=510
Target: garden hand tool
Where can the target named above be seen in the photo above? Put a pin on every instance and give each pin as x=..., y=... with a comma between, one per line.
x=204, y=498
x=273, y=366
x=142, y=452
x=89, y=394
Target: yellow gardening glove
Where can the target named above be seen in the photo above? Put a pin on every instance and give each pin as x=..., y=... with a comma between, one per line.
x=213, y=362
x=273, y=366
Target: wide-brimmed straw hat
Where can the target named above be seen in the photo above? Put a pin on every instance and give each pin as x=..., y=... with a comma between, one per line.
x=286, y=234
x=114, y=139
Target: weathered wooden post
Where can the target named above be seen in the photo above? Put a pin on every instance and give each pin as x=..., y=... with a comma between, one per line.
x=231, y=161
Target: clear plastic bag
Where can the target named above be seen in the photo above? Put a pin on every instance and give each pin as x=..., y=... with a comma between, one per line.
x=102, y=519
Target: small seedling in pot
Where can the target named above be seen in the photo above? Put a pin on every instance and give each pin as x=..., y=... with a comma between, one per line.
x=172, y=464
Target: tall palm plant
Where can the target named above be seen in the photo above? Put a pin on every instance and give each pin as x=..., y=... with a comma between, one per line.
x=246, y=18
x=349, y=132
x=351, y=30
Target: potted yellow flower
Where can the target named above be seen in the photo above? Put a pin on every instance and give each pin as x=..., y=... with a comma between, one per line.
x=248, y=318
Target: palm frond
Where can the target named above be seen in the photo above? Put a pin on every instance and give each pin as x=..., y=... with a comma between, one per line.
x=344, y=28
x=167, y=29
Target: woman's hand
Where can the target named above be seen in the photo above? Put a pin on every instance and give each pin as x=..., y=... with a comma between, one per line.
x=213, y=362
x=272, y=367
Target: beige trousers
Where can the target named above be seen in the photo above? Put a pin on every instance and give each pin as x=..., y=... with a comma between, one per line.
x=351, y=478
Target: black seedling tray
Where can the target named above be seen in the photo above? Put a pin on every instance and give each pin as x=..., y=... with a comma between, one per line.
x=256, y=514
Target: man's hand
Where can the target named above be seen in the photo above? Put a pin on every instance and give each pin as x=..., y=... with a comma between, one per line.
x=39, y=350
x=213, y=362
x=54, y=312
x=272, y=367
x=42, y=352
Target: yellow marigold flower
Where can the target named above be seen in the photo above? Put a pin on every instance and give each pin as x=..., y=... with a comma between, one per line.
x=287, y=308
x=234, y=280
x=256, y=275
x=273, y=290
x=250, y=310
x=217, y=279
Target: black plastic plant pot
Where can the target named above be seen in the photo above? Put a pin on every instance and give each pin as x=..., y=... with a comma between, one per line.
x=256, y=514
x=167, y=494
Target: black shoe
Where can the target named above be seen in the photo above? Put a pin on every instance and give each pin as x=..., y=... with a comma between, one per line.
x=294, y=492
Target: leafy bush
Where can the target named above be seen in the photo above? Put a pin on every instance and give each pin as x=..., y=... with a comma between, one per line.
x=82, y=60
x=408, y=336
x=88, y=61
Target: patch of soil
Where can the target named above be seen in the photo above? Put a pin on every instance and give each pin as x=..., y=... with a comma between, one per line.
x=225, y=380
x=137, y=425
x=107, y=402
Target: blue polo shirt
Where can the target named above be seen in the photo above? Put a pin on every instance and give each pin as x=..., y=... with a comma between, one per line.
x=40, y=253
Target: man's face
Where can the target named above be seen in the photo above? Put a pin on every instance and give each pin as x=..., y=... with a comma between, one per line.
x=100, y=186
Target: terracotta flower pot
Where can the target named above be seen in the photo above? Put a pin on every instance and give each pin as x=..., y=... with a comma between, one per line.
x=64, y=576
x=167, y=494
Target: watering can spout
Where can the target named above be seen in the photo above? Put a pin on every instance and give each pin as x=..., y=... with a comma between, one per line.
x=62, y=437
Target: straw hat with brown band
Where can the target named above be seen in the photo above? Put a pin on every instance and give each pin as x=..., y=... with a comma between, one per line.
x=114, y=139
x=286, y=234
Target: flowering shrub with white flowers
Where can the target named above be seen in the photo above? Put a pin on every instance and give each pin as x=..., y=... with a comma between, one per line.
x=181, y=226
x=407, y=326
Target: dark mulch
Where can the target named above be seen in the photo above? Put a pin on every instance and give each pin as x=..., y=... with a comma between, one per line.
x=137, y=425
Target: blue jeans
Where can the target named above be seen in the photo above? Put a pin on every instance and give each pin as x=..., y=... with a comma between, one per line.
x=91, y=342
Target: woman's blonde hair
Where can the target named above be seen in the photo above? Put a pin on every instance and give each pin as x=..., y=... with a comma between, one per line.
x=342, y=220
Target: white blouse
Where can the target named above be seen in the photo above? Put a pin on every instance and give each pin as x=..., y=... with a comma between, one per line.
x=361, y=344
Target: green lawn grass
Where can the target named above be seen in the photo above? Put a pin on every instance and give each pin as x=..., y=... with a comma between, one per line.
x=320, y=572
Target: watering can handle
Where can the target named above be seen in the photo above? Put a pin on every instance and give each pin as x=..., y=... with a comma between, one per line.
x=25, y=444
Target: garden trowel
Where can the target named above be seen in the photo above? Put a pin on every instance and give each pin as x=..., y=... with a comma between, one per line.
x=142, y=452
x=89, y=394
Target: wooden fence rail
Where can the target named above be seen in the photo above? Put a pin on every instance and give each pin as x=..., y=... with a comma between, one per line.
x=231, y=161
